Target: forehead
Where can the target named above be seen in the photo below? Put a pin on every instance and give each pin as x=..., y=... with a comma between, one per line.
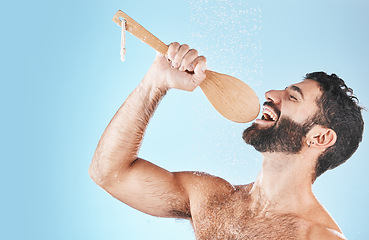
x=310, y=89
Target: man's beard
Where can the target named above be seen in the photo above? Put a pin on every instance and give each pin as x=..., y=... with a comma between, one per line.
x=285, y=136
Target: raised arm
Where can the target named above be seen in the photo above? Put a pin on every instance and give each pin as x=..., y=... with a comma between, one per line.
x=116, y=167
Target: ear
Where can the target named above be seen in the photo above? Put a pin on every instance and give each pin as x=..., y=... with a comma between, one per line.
x=321, y=137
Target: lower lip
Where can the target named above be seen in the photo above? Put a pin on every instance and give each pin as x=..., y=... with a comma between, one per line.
x=264, y=122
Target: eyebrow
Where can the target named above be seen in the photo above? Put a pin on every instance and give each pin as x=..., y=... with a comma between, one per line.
x=297, y=89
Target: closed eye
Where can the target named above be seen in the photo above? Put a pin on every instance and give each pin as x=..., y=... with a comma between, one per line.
x=293, y=98
x=295, y=90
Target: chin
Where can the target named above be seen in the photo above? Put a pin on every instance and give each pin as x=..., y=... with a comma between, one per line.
x=283, y=135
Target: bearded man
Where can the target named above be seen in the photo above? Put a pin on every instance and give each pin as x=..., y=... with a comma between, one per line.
x=306, y=129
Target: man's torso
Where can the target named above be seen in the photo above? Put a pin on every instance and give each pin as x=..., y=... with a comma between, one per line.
x=231, y=216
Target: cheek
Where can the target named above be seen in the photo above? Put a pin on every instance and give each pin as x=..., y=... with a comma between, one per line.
x=299, y=113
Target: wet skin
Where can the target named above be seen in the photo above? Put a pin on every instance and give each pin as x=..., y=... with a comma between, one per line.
x=278, y=205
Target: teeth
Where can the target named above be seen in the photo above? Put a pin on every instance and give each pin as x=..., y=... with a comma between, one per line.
x=270, y=114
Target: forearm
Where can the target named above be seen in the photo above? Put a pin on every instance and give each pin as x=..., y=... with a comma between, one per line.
x=119, y=145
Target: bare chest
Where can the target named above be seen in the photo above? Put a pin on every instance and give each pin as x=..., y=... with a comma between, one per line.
x=233, y=219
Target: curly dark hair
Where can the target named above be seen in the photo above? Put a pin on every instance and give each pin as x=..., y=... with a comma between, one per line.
x=339, y=111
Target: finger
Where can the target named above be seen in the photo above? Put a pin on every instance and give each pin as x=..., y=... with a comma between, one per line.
x=183, y=49
x=159, y=54
x=200, y=67
x=172, y=50
x=188, y=59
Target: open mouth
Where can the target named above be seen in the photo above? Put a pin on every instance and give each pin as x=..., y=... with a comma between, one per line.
x=269, y=114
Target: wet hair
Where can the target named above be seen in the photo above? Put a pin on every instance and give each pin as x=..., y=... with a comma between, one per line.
x=339, y=111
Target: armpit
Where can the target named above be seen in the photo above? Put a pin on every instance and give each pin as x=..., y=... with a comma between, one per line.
x=180, y=214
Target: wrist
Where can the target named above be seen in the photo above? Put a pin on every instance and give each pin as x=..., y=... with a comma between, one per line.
x=157, y=79
x=153, y=85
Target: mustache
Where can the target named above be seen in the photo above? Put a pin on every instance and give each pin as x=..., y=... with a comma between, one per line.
x=274, y=107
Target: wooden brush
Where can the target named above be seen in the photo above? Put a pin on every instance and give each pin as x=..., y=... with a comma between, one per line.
x=231, y=97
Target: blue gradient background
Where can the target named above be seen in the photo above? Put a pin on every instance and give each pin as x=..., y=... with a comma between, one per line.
x=62, y=81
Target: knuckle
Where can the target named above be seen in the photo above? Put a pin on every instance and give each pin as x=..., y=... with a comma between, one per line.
x=184, y=65
x=194, y=51
x=178, y=58
x=173, y=47
x=174, y=44
x=202, y=58
x=185, y=46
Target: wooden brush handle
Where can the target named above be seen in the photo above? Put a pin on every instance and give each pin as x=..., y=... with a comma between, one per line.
x=140, y=32
x=231, y=97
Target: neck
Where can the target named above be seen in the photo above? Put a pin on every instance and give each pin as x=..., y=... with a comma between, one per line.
x=284, y=183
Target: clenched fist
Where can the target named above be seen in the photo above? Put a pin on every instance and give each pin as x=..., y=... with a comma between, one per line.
x=181, y=68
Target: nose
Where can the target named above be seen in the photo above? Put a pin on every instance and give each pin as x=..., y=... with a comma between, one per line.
x=274, y=96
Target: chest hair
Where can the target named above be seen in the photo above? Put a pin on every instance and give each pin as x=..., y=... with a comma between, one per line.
x=224, y=217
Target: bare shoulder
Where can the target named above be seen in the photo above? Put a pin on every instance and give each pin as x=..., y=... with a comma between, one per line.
x=201, y=187
x=323, y=225
x=320, y=232
x=207, y=183
x=201, y=182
